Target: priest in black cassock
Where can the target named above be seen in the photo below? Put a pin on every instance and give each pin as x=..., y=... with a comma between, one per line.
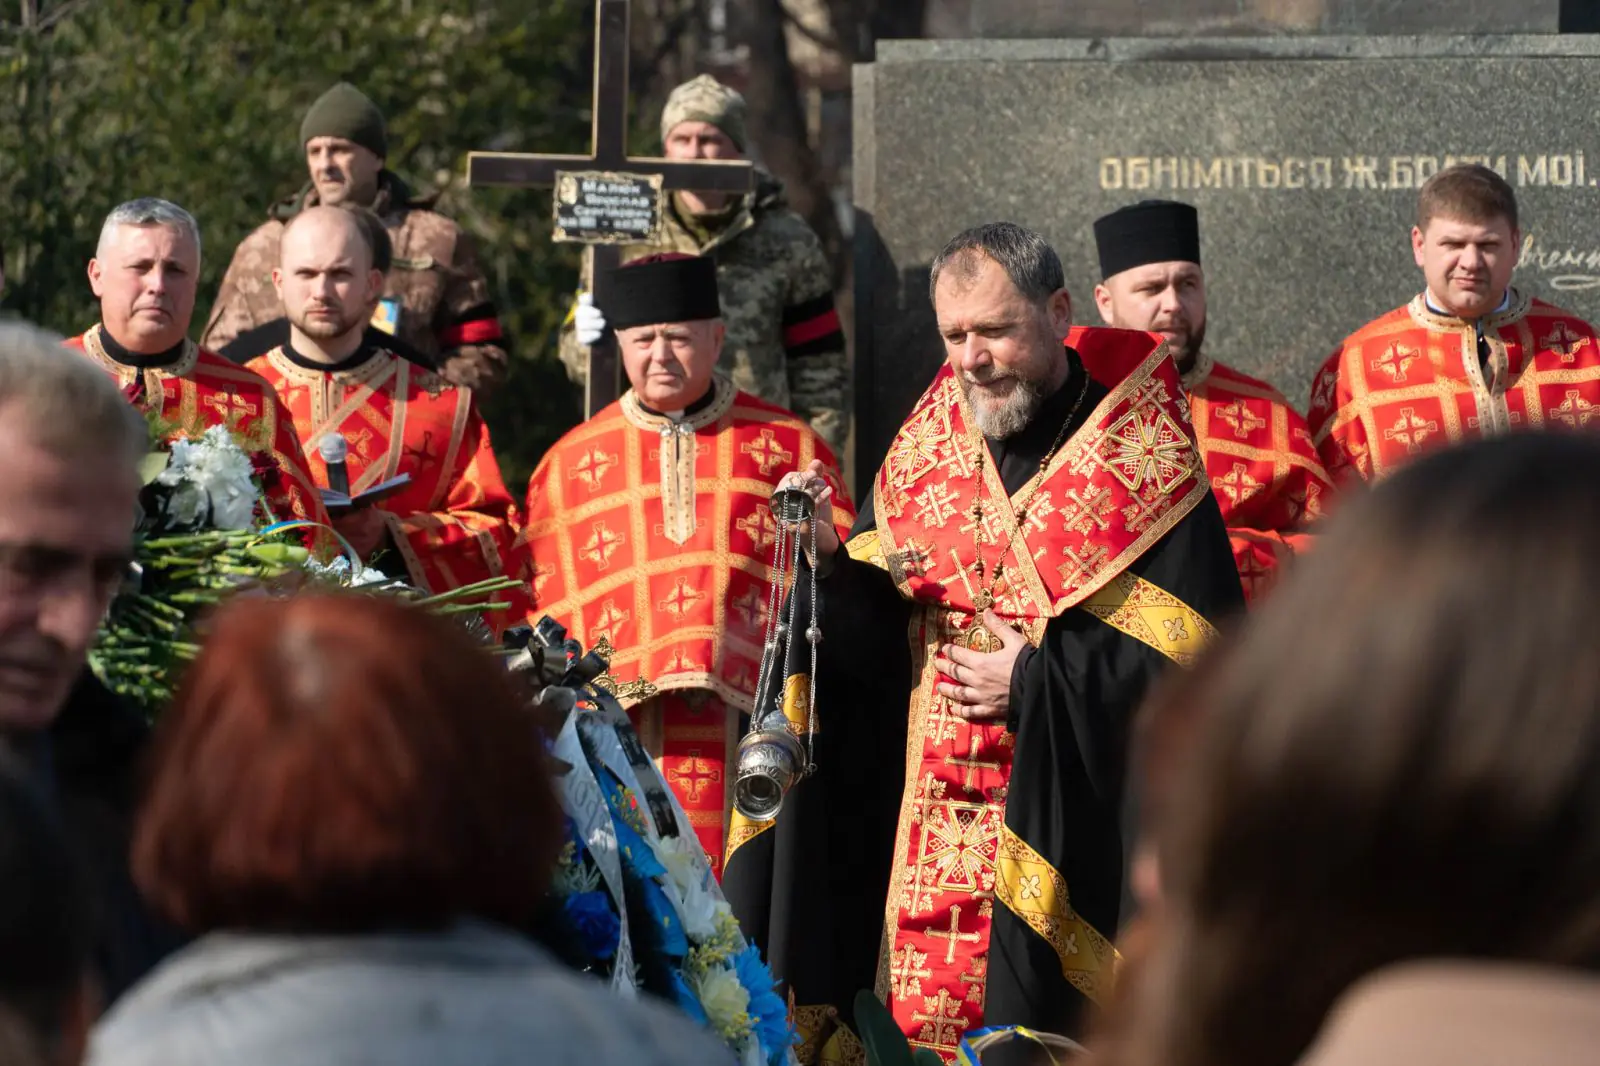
x=1039, y=543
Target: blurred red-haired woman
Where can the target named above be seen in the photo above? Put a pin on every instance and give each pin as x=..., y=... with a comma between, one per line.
x=350, y=807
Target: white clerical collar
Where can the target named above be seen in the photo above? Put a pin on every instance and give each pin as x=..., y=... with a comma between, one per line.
x=1427, y=299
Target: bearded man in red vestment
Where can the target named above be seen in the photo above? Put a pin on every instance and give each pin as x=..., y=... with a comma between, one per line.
x=453, y=523
x=1041, y=541
x=1257, y=449
x=144, y=273
x=650, y=528
x=1470, y=356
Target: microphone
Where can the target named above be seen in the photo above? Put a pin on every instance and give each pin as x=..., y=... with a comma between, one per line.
x=334, y=449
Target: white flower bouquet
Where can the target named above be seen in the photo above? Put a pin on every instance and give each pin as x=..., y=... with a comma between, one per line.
x=206, y=532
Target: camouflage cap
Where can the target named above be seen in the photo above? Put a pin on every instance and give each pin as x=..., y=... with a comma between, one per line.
x=705, y=99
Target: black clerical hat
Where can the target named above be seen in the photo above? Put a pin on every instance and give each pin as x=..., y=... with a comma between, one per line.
x=1152, y=231
x=668, y=287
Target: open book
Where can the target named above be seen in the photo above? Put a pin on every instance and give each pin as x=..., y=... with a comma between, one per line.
x=338, y=503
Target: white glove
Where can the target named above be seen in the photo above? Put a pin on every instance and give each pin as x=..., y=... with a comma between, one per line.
x=587, y=321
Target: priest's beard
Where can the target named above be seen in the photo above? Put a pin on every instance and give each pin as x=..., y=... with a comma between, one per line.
x=1006, y=416
x=1187, y=350
x=334, y=323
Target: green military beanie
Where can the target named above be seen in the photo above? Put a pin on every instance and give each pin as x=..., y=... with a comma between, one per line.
x=345, y=111
x=705, y=99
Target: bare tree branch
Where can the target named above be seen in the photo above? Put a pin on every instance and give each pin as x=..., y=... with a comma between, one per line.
x=60, y=14
x=777, y=115
x=816, y=37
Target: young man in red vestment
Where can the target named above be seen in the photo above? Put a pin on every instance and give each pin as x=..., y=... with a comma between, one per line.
x=1257, y=449
x=650, y=527
x=1041, y=541
x=144, y=274
x=1469, y=356
x=453, y=523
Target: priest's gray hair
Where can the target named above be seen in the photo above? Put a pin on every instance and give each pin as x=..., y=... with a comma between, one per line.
x=1027, y=258
x=148, y=211
x=70, y=406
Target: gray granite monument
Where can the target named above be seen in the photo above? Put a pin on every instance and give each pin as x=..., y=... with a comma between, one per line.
x=1189, y=18
x=1303, y=156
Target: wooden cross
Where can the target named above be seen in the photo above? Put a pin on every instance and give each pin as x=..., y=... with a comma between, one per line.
x=608, y=151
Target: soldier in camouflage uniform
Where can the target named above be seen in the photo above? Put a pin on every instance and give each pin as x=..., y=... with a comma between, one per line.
x=435, y=301
x=784, y=343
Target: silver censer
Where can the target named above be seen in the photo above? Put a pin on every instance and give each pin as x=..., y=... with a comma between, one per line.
x=771, y=758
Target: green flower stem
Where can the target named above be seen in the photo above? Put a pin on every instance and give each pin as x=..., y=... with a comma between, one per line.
x=495, y=584
x=150, y=603
x=204, y=599
x=243, y=570
x=190, y=540
x=449, y=610
x=160, y=624
x=168, y=562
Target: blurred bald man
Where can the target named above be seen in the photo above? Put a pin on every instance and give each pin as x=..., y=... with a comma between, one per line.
x=453, y=523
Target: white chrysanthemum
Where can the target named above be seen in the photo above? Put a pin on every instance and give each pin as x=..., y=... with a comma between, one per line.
x=688, y=875
x=221, y=467
x=178, y=457
x=186, y=505
x=726, y=1002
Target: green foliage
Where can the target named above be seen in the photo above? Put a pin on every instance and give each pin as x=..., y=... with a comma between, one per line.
x=881, y=1036
x=200, y=102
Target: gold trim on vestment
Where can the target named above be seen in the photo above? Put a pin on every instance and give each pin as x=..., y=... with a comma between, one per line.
x=1426, y=317
x=1152, y=616
x=679, y=452
x=1035, y=891
x=741, y=831
x=722, y=396
x=797, y=703
x=824, y=1040
x=181, y=367
x=458, y=433
x=863, y=548
x=366, y=378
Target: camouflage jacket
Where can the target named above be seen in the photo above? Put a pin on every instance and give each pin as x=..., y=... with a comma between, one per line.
x=435, y=299
x=784, y=343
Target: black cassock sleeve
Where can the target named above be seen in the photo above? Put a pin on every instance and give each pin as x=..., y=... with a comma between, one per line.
x=1073, y=702
x=810, y=891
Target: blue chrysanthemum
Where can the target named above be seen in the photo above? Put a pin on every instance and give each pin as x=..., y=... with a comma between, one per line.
x=669, y=937
x=767, y=1009
x=637, y=855
x=590, y=914
x=687, y=1001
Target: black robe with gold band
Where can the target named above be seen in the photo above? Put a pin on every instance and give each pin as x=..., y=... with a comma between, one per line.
x=971, y=873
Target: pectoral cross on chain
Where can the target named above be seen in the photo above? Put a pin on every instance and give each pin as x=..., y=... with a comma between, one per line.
x=976, y=636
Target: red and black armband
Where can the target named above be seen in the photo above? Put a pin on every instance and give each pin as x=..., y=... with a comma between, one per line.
x=476, y=325
x=812, y=327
